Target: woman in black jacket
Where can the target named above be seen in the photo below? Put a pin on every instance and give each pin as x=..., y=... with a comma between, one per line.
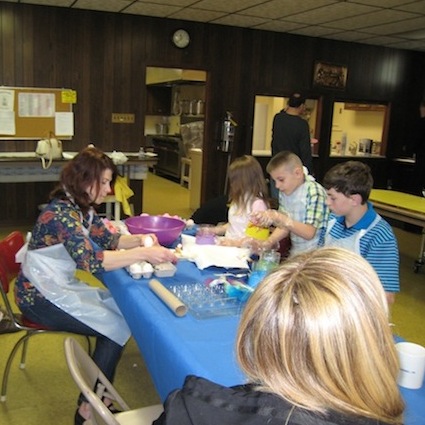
x=315, y=343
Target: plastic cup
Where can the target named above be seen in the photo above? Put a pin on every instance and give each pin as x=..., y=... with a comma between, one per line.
x=205, y=235
x=412, y=365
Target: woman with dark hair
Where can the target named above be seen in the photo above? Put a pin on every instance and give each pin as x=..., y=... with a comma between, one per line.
x=69, y=235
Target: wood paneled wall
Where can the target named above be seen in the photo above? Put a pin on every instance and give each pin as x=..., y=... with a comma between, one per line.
x=103, y=56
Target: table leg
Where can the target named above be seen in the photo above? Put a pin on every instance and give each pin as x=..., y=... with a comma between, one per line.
x=421, y=259
x=137, y=199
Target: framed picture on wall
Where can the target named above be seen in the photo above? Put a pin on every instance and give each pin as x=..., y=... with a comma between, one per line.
x=329, y=75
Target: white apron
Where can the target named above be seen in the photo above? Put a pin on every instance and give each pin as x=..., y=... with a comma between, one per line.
x=51, y=270
x=295, y=205
x=351, y=243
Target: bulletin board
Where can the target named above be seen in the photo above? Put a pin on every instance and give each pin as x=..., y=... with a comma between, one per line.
x=36, y=113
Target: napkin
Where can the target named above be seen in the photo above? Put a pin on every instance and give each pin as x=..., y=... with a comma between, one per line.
x=214, y=255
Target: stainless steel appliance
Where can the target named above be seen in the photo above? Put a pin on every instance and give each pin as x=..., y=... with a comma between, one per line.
x=170, y=150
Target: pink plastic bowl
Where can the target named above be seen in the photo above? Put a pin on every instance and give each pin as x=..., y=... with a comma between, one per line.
x=166, y=229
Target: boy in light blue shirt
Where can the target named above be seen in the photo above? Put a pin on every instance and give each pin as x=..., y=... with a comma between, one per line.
x=356, y=226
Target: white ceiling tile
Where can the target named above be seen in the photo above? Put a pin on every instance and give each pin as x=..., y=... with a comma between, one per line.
x=313, y=31
x=383, y=40
x=398, y=27
x=379, y=21
x=230, y=6
x=107, y=6
x=188, y=14
x=279, y=26
x=149, y=9
x=417, y=7
x=332, y=13
x=180, y=3
x=240, y=21
x=381, y=3
x=355, y=36
x=59, y=3
x=274, y=9
x=412, y=45
x=370, y=19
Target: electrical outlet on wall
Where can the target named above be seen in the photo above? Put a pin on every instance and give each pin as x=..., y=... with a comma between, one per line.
x=122, y=118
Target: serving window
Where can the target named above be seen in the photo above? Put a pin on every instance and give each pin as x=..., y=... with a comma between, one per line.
x=266, y=107
x=359, y=129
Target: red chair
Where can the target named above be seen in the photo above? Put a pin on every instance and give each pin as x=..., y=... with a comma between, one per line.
x=9, y=246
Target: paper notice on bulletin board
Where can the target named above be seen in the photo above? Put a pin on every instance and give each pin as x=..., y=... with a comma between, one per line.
x=69, y=96
x=7, y=123
x=36, y=104
x=7, y=100
x=64, y=124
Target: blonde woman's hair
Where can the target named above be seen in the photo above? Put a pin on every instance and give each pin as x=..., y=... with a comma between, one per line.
x=246, y=181
x=316, y=333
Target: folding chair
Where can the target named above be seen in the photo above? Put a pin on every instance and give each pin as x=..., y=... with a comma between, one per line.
x=87, y=376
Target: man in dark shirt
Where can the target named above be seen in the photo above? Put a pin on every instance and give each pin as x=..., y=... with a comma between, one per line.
x=291, y=133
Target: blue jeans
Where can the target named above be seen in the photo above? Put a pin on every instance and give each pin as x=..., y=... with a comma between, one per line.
x=107, y=353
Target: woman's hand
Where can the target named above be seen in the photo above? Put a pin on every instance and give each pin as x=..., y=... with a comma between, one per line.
x=148, y=240
x=156, y=254
x=133, y=241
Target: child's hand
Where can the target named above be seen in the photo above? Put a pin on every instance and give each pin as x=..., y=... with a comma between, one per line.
x=229, y=242
x=262, y=218
x=271, y=218
x=283, y=221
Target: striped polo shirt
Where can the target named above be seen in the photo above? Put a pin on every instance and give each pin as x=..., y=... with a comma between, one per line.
x=378, y=246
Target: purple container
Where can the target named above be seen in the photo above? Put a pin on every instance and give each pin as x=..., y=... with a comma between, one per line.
x=166, y=229
x=205, y=235
x=205, y=239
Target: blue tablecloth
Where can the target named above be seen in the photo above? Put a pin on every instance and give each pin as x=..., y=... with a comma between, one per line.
x=174, y=347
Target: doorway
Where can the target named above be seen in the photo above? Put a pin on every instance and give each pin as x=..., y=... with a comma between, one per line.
x=174, y=126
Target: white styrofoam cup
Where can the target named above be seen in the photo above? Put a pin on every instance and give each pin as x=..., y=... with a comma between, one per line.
x=412, y=365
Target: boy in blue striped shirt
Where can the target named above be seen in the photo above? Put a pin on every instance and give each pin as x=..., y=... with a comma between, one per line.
x=356, y=226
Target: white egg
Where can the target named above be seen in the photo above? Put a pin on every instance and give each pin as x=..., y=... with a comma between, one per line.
x=148, y=242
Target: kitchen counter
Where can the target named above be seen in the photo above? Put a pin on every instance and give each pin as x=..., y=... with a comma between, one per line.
x=17, y=167
x=25, y=167
x=408, y=160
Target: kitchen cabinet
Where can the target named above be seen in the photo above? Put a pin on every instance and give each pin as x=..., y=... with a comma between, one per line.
x=158, y=100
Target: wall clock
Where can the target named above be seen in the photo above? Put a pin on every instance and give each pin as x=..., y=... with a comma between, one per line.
x=181, y=38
